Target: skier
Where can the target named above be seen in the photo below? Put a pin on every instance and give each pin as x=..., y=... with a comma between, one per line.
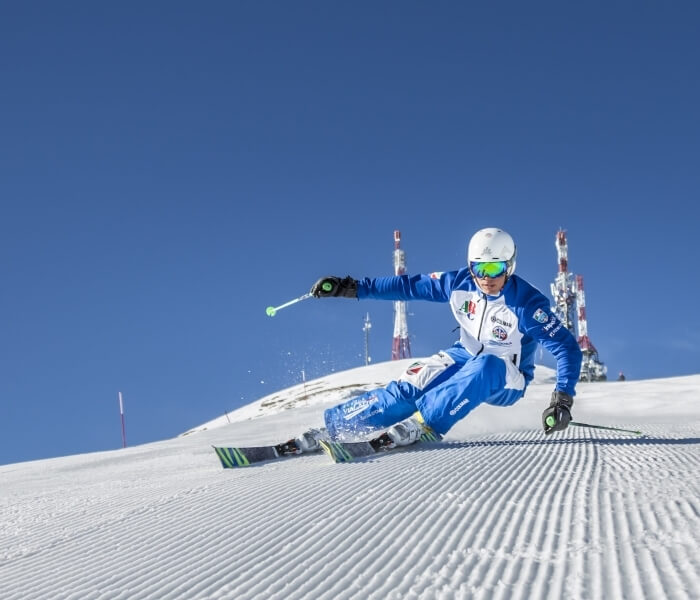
x=502, y=318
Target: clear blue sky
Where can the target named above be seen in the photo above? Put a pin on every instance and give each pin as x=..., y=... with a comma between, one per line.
x=171, y=169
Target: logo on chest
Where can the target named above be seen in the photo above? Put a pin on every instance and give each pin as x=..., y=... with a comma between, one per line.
x=499, y=333
x=469, y=308
x=495, y=319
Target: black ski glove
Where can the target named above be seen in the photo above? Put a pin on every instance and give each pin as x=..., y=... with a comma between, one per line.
x=334, y=286
x=558, y=415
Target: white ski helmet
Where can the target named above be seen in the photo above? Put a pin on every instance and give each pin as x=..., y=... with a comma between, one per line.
x=492, y=244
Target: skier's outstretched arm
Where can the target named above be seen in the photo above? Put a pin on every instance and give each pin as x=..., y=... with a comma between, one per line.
x=398, y=287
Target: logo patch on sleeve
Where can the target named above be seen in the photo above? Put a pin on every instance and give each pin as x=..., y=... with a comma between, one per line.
x=540, y=316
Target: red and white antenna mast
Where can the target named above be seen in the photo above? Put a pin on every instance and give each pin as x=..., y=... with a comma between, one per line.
x=592, y=369
x=564, y=287
x=567, y=291
x=400, y=347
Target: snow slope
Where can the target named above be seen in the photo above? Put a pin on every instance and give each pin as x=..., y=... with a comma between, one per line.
x=499, y=511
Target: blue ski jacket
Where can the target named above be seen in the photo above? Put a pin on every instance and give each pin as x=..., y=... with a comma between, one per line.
x=509, y=325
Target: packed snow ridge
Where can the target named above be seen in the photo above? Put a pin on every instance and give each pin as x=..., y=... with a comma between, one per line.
x=499, y=510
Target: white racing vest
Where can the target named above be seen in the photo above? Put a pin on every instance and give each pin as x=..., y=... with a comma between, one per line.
x=487, y=325
x=509, y=325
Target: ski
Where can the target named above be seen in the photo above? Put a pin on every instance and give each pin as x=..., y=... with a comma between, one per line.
x=344, y=452
x=235, y=457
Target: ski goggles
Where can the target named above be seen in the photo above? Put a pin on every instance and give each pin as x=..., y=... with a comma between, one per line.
x=489, y=269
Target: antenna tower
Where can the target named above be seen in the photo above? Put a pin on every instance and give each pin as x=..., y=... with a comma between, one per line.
x=592, y=369
x=564, y=286
x=400, y=347
x=569, y=298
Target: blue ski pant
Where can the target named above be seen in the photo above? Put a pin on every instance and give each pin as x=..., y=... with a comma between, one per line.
x=445, y=388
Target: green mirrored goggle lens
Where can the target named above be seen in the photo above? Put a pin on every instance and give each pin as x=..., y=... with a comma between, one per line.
x=489, y=269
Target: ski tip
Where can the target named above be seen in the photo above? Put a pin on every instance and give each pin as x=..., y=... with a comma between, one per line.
x=231, y=458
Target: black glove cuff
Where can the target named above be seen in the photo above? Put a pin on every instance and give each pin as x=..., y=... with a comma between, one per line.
x=560, y=398
x=348, y=288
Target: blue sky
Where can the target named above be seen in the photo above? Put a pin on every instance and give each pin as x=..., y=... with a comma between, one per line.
x=171, y=169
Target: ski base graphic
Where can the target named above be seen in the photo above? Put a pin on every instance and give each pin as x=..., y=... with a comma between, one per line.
x=232, y=457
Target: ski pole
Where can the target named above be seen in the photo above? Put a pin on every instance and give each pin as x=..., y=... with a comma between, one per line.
x=272, y=310
x=604, y=427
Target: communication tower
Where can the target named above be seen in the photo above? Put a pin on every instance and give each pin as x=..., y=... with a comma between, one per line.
x=592, y=369
x=564, y=286
x=400, y=347
x=569, y=299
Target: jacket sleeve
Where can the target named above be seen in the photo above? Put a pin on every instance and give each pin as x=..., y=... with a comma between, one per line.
x=435, y=288
x=542, y=324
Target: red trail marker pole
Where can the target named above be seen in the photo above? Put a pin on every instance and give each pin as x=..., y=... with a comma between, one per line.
x=121, y=413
